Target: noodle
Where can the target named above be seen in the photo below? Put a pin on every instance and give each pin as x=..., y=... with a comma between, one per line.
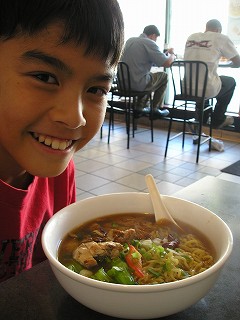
x=191, y=258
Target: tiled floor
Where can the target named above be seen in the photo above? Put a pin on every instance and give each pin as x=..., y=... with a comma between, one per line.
x=103, y=168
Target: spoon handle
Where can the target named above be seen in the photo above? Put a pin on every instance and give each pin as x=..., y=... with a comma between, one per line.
x=160, y=210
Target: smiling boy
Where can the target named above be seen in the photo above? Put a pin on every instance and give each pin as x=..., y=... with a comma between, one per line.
x=57, y=63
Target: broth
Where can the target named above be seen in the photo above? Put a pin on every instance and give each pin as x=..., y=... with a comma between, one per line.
x=133, y=249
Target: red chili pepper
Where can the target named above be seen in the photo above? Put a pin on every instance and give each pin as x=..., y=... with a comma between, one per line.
x=134, y=261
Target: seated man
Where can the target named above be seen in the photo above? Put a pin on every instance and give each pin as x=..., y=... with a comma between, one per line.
x=141, y=53
x=210, y=46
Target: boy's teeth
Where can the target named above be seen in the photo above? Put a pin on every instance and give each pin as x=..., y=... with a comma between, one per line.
x=48, y=141
x=61, y=145
x=53, y=142
x=41, y=138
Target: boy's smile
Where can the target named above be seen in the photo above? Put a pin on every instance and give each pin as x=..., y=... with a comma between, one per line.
x=54, y=143
x=52, y=102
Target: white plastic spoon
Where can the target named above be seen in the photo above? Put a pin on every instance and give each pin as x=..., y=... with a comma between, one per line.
x=161, y=212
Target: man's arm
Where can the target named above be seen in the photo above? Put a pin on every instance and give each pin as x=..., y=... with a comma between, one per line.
x=171, y=58
x=235, y=61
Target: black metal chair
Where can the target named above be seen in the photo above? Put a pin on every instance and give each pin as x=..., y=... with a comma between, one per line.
x=190, y=106
x=124, y=101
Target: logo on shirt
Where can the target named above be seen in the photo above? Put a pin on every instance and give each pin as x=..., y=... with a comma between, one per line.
x=201, y=44
x=16, y=255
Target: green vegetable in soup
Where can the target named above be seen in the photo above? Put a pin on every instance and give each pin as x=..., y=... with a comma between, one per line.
x=74, y=266
x=101, y=275
x=121, y=275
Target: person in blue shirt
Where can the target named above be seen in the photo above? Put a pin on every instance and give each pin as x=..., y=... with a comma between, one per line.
x=141, y=53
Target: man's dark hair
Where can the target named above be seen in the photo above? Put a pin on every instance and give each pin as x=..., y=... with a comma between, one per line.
x=98, y=24
x=213, y=25
x=149, y=30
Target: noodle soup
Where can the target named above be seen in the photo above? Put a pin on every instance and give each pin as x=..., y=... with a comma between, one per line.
x=132, y=249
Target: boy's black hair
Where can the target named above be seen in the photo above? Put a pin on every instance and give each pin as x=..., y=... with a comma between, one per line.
x=98, y=24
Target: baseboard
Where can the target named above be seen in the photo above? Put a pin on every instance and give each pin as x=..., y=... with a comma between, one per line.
x=223, y=134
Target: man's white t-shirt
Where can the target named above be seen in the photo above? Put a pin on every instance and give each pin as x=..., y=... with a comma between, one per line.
x=210, y=47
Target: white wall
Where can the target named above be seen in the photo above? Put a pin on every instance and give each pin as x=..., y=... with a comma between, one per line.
x=138, y=13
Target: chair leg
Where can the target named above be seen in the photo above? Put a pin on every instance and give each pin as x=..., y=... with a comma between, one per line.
x=152, y=139
x=199, y=132
x=198, y=146
x=184, y=126
x=151, y=118
x=168, y=136
x=128, y=122
x=210, y=130
x=184, y=132
x=133, y=125
x=110, y=123
x=112, y=120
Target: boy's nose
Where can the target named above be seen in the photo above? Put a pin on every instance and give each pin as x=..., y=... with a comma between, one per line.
x=70, y=113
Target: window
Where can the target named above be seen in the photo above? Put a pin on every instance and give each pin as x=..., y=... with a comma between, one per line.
x=189, y=16
x=138, y=14
x=186, y=17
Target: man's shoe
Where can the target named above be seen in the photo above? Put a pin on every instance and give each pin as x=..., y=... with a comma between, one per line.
x=146, y=110
x=195, y=139
x=227, y=122
x=141, y=112
x=159, y=113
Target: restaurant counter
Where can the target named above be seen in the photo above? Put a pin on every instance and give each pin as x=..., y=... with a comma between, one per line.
x=36, y=294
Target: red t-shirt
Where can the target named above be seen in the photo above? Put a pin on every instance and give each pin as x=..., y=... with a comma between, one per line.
x=23, y=214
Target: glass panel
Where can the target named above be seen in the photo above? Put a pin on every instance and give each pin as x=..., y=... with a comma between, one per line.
x=187, y=16
x=137, y=14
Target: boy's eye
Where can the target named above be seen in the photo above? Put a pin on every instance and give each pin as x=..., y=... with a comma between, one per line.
x=46, y=77
x=97, y=91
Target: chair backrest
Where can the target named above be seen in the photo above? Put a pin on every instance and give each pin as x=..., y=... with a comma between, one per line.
x=123, y=79
x=189, y=79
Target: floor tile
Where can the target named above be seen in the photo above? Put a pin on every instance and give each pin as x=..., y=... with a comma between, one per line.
x=133, y=165
x=168, y=187
x=134, y=180
x=106, y=168
x=113, y=187
x=112, y=173
x=90, y=165
x=88, y=182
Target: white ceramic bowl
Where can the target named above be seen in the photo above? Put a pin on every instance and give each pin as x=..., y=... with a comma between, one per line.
x=140, y=301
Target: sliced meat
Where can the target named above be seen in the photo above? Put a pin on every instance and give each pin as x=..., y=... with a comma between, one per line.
x=121, y=236
x=88, y=253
